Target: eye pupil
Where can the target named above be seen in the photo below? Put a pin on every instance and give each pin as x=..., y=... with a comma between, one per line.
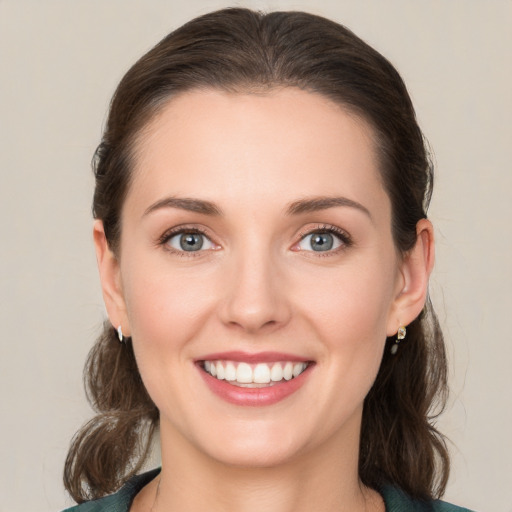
x=191, y=241
x=322, y=241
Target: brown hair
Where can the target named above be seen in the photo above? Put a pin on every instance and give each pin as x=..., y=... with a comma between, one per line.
x=240, y=50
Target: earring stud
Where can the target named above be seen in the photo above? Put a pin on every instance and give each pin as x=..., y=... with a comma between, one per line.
x=120, y=334
x=400, y=335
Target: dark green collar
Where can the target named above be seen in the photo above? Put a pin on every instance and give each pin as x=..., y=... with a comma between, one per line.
x=121, y=500
x=395, y=499
x=398, y=501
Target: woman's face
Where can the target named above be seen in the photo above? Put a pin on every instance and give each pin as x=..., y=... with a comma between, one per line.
x=256, y=240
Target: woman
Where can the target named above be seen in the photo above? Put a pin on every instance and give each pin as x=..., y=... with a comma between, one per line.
x=264, y=254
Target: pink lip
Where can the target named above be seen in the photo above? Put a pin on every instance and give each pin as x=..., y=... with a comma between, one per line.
x=260, y=357
x=255, y=397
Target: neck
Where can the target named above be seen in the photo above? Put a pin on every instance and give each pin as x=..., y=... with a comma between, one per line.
x=324, y=480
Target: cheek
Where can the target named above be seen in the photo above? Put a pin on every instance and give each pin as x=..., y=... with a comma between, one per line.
x=166, y=312
x=351, y=305
x=349, y=313
x=165, y=309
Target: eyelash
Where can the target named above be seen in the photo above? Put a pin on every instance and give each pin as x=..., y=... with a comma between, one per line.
x=343, y=236
x=164, y=239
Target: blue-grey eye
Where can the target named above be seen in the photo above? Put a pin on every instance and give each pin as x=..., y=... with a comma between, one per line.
x=320, y=242
x=190, y=242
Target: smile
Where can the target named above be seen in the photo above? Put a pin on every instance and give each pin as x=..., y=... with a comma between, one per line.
x=254, y=375
x=261, y=379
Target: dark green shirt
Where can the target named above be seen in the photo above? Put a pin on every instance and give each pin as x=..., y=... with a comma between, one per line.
x=395, y=500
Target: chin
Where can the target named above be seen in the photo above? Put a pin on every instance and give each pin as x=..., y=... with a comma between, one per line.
x=254, y=455
x=251, y=444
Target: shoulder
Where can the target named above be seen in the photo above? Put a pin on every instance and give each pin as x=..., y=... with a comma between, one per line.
x=398, y=501
x=121, y=500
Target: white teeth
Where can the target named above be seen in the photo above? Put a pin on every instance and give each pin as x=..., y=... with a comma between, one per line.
x=276, y=374
x=247, y=375
x=230, y=373
x=220, y=371
x=298, y=368
x=244, y=373
x=261, y=374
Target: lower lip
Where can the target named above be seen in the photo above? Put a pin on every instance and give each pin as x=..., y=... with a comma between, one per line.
x=255, y=397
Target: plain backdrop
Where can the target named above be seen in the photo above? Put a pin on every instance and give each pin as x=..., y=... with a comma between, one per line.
x=60, y=62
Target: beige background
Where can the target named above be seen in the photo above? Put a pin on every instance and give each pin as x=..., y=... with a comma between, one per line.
x=60, y=61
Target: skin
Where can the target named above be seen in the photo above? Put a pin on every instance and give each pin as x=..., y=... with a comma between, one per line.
x=259, y=286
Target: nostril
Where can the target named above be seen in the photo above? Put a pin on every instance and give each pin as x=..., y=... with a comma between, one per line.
x=253, y=301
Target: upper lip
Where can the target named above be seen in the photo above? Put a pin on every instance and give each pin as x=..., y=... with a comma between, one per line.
x=258, y=357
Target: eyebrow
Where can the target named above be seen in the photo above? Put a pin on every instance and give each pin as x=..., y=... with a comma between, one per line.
x=185, y=203
x=307, y=205
x=315, y=204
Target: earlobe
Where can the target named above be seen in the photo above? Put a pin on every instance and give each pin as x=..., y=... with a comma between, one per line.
x=108, y=266
x=415, y=271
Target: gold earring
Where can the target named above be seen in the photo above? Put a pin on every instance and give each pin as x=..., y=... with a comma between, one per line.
x=400, y=335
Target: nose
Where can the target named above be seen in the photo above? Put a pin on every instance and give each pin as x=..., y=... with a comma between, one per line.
x=255, y=294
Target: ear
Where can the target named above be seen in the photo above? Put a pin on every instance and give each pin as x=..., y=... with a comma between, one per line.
x=110, y=277
x=415, y=271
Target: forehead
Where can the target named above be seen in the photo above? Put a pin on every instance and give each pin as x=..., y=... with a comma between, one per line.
x=236, y=146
